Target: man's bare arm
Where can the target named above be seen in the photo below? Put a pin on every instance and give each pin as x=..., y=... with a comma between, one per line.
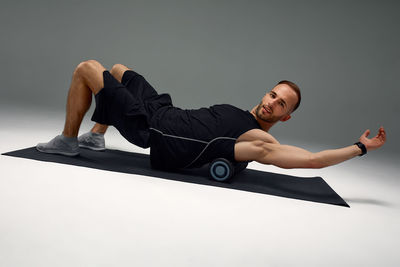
x=286, y=156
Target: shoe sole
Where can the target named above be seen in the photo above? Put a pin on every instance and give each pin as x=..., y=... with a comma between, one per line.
x=70, y=154
x=93, y=148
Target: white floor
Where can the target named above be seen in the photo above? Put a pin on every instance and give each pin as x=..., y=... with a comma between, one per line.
x=59, y=215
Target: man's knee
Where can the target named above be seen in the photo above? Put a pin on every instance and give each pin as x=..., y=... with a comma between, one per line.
x=91, y=72
x=118, y=71
x=117, y=67
x=86, y=66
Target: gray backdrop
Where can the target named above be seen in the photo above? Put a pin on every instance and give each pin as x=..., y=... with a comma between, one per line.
x=343, y=54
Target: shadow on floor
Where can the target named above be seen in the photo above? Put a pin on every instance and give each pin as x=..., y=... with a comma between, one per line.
x=369, y=201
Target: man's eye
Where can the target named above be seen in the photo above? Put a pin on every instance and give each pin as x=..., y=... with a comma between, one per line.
x=272, y=95
x=282, y=104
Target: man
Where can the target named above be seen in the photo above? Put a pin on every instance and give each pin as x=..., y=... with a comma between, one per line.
x=186, y=138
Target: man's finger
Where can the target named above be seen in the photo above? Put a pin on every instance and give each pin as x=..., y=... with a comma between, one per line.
x=382, y=135
x=382, y=132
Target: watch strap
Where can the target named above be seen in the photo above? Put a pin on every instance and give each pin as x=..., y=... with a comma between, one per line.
x=362, y=147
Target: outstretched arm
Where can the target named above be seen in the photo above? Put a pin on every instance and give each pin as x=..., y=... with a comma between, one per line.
x=286, y=156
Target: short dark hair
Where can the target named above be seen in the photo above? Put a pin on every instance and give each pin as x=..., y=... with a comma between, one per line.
x=295, y=88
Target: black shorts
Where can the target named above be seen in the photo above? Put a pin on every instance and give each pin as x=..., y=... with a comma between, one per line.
x=129, y=106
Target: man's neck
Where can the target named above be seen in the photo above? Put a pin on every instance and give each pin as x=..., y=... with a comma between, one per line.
x=264, y=125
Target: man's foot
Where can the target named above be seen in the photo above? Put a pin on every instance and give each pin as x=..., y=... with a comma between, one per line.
x=60, y=144
x=93, y=141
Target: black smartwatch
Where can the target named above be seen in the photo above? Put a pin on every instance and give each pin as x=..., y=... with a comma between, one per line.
x=362, y=147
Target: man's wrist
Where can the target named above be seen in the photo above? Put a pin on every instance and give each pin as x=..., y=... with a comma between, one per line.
x=362, y=147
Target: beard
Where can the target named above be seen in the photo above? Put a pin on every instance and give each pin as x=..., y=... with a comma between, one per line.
x=270, y=118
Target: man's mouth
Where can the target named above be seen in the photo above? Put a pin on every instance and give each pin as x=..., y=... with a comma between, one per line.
x=267, y=109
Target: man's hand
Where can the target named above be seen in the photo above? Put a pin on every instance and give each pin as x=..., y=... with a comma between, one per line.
x=375, y=142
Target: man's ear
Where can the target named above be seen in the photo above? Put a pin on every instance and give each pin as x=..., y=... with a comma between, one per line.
x=286, y=118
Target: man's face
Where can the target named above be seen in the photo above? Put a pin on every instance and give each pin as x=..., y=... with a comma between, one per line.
x=277, y=104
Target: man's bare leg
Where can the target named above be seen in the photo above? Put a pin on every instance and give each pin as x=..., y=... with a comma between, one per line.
x=94, y=139
x=87, y=79
x=117, y=71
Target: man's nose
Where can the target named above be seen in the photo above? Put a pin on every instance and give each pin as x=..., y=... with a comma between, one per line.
x=272, y=102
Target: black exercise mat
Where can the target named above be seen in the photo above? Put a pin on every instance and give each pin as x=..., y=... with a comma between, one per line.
x=312, y=189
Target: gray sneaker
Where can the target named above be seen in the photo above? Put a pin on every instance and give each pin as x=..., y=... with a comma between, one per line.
x=93, y=141
x=60, y=145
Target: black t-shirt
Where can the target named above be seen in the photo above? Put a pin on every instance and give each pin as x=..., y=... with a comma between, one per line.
x=191, y=138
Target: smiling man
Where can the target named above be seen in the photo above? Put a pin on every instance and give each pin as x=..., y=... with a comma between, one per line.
x=186, y=138
x=278, y=104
